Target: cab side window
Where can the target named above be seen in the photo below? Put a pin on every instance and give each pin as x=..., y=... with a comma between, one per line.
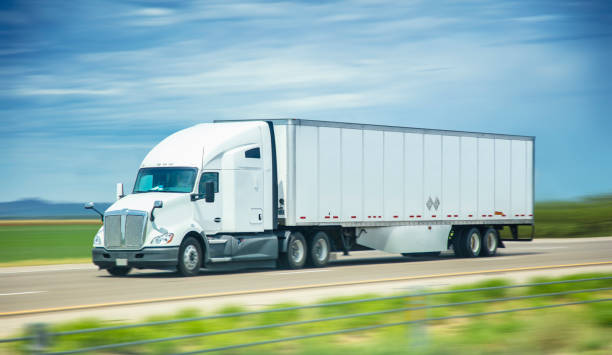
x=206, y=177
x=252, y=153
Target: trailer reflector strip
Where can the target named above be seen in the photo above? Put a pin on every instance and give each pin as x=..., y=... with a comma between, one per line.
x=433, y=216
x=419, y=216
x=327, y=217
x=470, y=215
x=353, y=216
x=395, y=216
x=302, y=217
x=456, y=215
x=412, y=216
x=335, y=217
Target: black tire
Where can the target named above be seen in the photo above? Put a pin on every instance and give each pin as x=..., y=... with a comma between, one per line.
x=295, y=257
x=119, y=270
x=457, y=249
x=469, y=243
x=318, y=250
x=490, y=241
x=190, y=257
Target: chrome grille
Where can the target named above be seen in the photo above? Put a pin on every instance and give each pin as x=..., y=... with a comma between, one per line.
x=133, y=231
x=124, y=229
x=112, y=231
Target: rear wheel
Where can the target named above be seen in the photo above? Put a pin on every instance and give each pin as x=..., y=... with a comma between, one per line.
x=468, y=244
x=490, y=240
x=119, y=270
x=295, y=257
x=318, y=251
x=190, y=257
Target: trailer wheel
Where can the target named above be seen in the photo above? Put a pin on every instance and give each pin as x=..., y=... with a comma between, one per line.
x=490, y=240
x=119, y=270
x=469, y=243
x=295, y=257
x=190, y=257
x=318, y=250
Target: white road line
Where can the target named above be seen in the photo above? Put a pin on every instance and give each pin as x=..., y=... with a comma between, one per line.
x=536, y=248
x=21, y=293
x=298, y=272
x=32, y=269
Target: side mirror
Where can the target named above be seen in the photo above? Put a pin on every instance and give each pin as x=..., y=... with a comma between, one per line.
x=209, y=194
x=156, y=204
x=91, y=206
x=120, y=194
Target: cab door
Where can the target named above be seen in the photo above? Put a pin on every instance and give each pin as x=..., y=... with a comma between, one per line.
x=209, y=214
x=250, y=190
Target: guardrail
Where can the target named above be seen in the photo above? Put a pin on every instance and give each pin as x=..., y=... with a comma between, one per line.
x=40, y=339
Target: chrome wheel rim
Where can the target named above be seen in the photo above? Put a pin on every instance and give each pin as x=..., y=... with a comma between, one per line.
x=474, y=243
x=190, y=257
x=320, y=250
x=297, y=251
x=491, y=242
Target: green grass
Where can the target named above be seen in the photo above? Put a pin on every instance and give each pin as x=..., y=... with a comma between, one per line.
x=580, y=329
x=45, y=242
x=590, y=217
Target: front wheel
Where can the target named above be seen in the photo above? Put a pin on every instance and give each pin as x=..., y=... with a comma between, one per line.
x=190, y=257
x=119, y=270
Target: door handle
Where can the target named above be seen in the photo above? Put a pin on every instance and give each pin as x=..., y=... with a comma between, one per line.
x=218, y=219
x=260, y=216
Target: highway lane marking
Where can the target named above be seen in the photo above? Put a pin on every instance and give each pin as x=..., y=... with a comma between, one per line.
x=536, y=248
x=21, y=293
x=297, y=272
x=292, y=288
x=31, y=269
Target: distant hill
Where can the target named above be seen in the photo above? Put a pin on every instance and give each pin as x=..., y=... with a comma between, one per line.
x=37, y=208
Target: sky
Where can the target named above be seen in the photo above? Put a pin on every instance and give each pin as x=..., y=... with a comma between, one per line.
x=89, y=87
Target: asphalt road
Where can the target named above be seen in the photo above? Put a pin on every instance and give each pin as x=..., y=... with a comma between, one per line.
x=35, y=291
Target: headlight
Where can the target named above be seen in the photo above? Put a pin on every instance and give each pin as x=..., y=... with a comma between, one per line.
x=163, y=239
x=97, y=242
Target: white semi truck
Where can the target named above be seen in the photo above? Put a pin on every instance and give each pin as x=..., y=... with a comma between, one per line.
x=289, y=192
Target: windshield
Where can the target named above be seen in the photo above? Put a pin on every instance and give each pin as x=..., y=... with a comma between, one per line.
x=165, y=180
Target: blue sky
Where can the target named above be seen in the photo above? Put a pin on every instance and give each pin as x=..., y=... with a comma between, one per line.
x=88, y=87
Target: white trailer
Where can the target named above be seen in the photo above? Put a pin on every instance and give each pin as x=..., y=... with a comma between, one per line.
x=290, y=191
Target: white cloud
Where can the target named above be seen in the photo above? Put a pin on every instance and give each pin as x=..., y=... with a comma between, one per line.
x=539, y=18
x=56, y=92
x=153, y=11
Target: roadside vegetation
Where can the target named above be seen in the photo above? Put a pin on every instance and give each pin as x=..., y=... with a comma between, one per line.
x=38, y=242
x=577, y=329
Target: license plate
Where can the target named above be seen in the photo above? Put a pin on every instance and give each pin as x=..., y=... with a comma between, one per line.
x=121, y=262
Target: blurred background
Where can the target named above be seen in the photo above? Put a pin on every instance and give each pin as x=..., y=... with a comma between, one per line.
x=89, y=87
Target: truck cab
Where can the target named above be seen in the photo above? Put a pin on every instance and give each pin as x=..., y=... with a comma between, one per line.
x=202, y=195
